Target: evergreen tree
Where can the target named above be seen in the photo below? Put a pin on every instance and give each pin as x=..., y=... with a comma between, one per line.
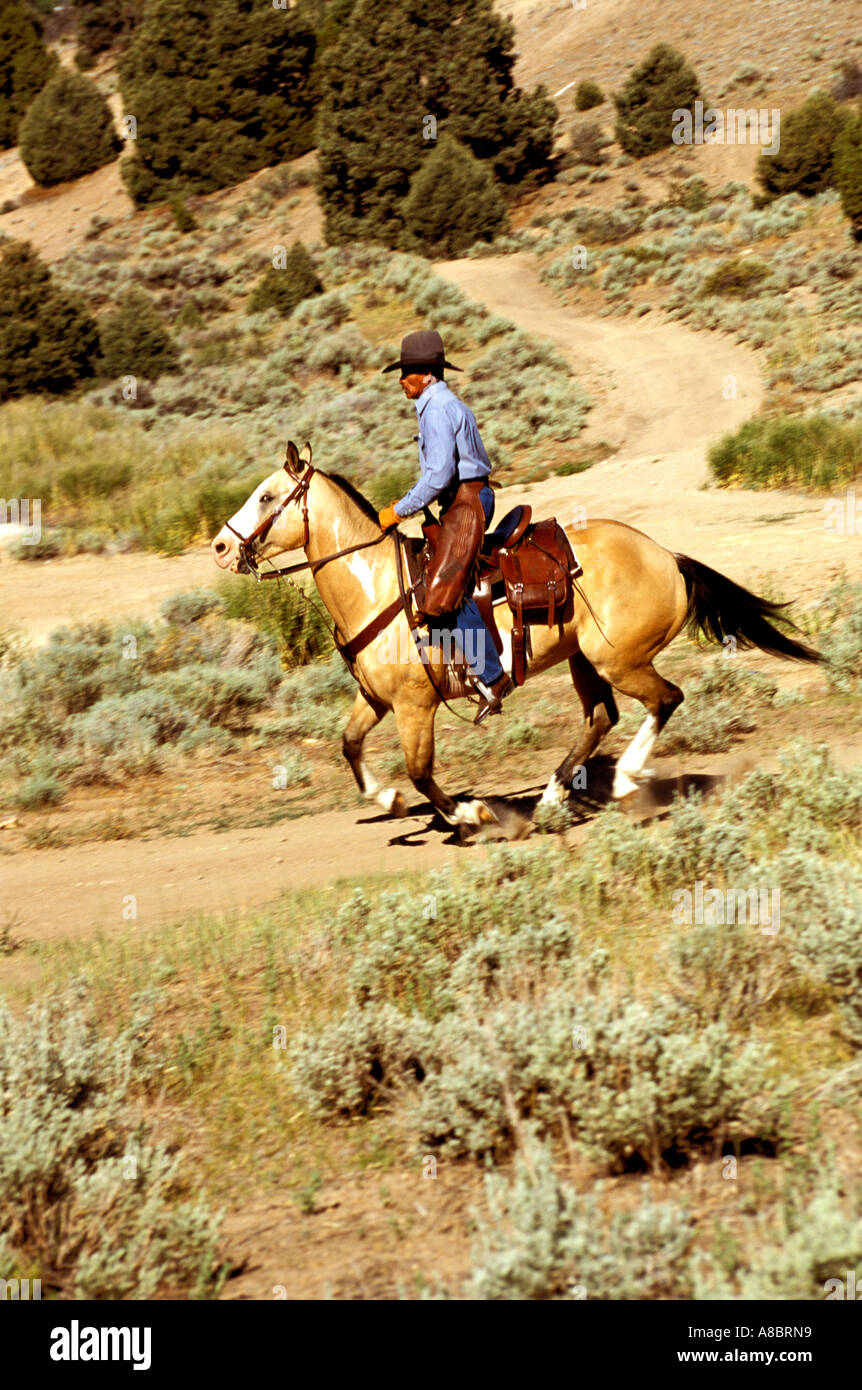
x=134, y=340
x=393, y=82
x=662, y=84
x=68, y=131
x=848, y=172
x=283, y=287
x=804, y=163
x=104, y=23
x=25, y=66
x=453, y=201
x=48, y=341
x=217, y=91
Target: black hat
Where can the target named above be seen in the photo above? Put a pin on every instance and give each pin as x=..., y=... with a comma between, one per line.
x=421, y=350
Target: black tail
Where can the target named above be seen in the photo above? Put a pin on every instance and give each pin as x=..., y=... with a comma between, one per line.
x=720, y=609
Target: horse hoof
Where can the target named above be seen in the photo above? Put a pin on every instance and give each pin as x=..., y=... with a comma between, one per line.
x=398, y=807
x=623, y=786
x=554, y=794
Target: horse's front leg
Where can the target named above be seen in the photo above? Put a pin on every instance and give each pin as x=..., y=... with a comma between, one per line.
x=415, y=720
x=364, y=716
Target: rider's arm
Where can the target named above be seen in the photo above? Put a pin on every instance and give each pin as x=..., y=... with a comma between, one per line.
x=439, y=460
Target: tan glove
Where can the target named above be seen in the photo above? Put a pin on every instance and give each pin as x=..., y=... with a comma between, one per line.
x=388, y=517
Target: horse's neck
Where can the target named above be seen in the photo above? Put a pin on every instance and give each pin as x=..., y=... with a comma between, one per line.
x=355, y=587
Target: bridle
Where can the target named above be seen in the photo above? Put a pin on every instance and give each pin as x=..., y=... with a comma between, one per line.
x=299, y=493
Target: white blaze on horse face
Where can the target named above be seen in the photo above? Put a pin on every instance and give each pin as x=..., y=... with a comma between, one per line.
x=250, y=514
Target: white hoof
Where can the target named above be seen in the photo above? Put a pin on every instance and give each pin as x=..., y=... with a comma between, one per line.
x=554, y=793
x=623, y=785
x=473, y=813
x=392, y=802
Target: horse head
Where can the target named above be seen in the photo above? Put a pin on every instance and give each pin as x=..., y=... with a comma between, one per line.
x=274, y=518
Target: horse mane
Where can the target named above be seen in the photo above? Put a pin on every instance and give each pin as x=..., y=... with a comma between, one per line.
x=366, y=507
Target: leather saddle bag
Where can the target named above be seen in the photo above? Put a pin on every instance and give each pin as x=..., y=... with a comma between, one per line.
x=537, y=573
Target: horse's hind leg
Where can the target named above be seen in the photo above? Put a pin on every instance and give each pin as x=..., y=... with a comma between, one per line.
x=661, y=698
x=600, y=715
x=364, y=716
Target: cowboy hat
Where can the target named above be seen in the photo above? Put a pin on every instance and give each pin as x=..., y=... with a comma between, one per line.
x=422, y=350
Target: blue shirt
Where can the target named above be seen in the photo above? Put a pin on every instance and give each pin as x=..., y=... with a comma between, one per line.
x=449, y=446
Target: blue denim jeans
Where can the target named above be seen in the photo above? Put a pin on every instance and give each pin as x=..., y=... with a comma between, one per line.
x=469, y=633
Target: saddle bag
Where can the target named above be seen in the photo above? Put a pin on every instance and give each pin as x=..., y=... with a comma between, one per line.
x=537, y=573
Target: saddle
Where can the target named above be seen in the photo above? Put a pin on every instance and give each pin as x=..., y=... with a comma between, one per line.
x=530, y=564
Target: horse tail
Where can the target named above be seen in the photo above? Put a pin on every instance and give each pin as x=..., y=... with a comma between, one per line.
x=719, y=608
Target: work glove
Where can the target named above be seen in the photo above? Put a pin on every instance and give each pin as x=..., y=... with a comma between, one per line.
x=388, y=517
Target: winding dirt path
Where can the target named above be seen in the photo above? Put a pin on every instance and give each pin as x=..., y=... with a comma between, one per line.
x=658, y=386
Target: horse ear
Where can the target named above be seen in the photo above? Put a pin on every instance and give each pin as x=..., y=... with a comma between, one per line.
x=291, y=457
x=306, y=453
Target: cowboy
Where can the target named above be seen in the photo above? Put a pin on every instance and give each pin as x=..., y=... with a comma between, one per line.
x=452, y=457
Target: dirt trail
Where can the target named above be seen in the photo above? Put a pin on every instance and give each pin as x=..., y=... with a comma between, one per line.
x=659, y=387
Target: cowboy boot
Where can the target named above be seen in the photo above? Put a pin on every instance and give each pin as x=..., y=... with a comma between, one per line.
x=493, y=696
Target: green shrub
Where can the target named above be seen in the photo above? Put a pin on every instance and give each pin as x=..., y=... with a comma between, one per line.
x=544, y=1240
x=735, y=278
x=48, y=341
x=663, y=83
x=587, y=95
x=817, y=1239
x=42, y=790
x=283, y=288
x=68, y=131
x=184, y=219
x=813, y=451
x=134, y=340
x=805, y=162
x=84, y=1199
x=279, y=609
x=453, y=202
x=637, y=1083
x=365, y=1058
x=25, y=66
x=588, y=142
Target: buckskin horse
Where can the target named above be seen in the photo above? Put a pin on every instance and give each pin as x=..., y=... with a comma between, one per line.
x=632, y=599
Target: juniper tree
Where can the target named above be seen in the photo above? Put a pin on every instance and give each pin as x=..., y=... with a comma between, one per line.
x=453, y=201
x=848, y=172
x=217, y=90
x=395, y=80
x=68, y=131
x=663, y=83
x=804, y=162
x=134, y=339
x=103, y=23
x=283, y=287
x=48, y=340
x=25, y=66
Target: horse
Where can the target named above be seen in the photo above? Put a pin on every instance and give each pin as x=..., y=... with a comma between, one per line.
x=633, y=598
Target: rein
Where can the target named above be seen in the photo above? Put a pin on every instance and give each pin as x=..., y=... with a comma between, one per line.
x=348, y=650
